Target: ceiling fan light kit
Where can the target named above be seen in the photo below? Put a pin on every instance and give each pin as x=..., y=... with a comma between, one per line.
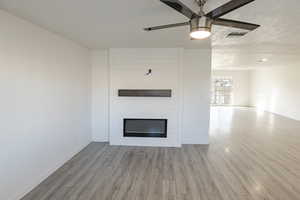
x=201, y=23
x=200, y=28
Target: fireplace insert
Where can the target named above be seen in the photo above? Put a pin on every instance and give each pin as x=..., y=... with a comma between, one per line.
x=145, y=128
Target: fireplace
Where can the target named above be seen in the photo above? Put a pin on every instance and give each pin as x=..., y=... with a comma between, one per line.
x=145, y=128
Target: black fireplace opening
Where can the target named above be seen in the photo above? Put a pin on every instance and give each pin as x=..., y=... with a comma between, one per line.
x=145, y=128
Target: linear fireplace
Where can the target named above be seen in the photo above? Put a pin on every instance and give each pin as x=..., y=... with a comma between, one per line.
x=145, y=128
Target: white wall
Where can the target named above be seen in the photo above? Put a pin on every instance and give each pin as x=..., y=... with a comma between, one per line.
x=100, y=98
x=241, y=85
x=45, y=104
x=276, y=89
x=187, y=72
x=127, y=71
x=196, y=96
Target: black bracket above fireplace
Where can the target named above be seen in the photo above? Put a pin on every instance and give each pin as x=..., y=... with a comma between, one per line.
x=145, y=128
x=144, y=93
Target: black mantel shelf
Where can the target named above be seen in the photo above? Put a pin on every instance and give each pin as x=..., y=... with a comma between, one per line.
x=144, y=93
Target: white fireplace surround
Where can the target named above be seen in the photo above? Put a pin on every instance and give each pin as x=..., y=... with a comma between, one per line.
x=185, y=72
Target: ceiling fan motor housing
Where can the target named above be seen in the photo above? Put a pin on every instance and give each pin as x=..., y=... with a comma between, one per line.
x=202, y=23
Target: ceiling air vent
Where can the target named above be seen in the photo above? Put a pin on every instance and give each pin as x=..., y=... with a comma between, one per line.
x=236, y=34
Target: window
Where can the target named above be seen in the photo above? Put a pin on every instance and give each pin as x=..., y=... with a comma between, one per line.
x=221, y=91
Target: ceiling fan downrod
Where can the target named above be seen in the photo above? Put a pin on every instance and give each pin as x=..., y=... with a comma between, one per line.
x=201, y=4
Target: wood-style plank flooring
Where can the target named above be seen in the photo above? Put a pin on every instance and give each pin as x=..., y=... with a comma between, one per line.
x=252, y=156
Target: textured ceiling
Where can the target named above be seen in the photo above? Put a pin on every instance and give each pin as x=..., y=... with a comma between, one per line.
x=277, y=39
x=101, y=24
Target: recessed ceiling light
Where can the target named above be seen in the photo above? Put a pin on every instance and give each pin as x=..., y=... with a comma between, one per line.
x=227, y=150
x=263, y=60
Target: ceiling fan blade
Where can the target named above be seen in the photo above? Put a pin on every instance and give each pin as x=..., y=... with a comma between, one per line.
x=166, y=26
x=235, y=24
x=180, y=7
x=228, y=7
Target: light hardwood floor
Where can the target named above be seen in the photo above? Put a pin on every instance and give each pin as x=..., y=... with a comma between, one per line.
x=252, y=156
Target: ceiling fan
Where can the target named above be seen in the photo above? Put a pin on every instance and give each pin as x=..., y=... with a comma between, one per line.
x=201, y=23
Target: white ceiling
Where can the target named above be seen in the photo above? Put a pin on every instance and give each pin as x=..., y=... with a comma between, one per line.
x=277, y=39
x=99, y=24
